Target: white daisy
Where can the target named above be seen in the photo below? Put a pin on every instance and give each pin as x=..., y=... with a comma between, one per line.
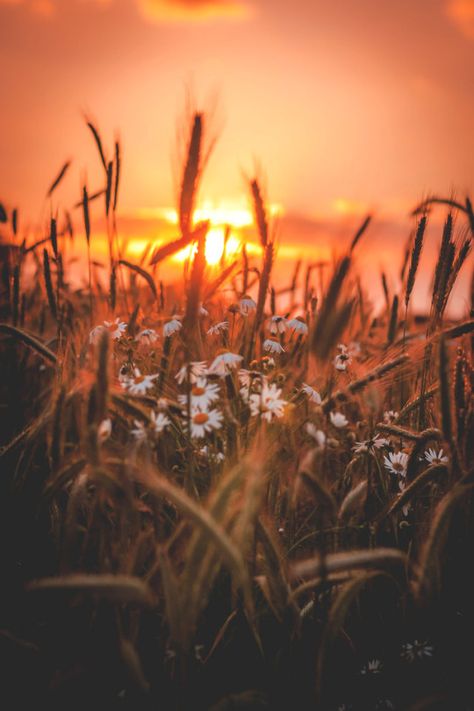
x=203, y=422
x=402, y=485
x=277, y=324
x=298, y=325
x=139, y=431
x=267, y=403
x=318, y=435
x=171, y=327
x=249, y=378
x=312, y=394
x=115, y=328
x=272, y=346
x=389, y=416
x=218, y=328
x=373, y=666
x=396, y=463
x=224, y=362
x=342, y=360
x=209, y=454
x=369, y=445
x=139, y=384
x=338, y=419
x=434, y=457
x=159, y=422
x=203, y=394
x=197, y=369
x=104, y=430
x=147, y=336
x=247, y=304
x=413, y=651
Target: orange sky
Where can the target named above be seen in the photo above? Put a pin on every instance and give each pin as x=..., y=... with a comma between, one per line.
x=368, y=102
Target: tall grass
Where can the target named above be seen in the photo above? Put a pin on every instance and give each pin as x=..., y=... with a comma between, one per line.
x=231, y=493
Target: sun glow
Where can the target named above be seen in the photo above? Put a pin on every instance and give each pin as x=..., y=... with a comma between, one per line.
x=217, y=247
x=226, y=218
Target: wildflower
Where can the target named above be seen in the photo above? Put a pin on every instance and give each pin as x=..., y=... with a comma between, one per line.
x=272, y=346
x=370, y=445
x=396, y=463
x=318, y=435
x=298, y=325
x=342, y=360
x=250, y=378
x=402, y=485
x=434, y=457
x=199, y=652
x=267, y=403
x=383, y=705
x=104, y=430
x=338, y=419
x=247, y=304
x=197, y=369
x=139, y=384
x=277, y=324
x=202, y=311
x=147, y=336
x=224, y=362
x=159, y=421
x=267, y=363
x=139, y=431
x=218, y=328
x=171, y=327
x=312, y=394
x=217, y=456
x=413, y=651
x=202, y=422
x=373, y=666
x=115, y=329
x=389, y=416
x=202, y=394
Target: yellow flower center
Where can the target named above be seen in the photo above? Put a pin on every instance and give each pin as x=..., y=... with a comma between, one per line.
x=139, y=379
x=196, y=391
x=200, y=418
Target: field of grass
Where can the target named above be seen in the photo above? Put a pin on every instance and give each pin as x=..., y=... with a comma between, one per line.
x=228, y=493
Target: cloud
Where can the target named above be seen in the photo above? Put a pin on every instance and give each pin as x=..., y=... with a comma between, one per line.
x=461, y=13
x=195, y=10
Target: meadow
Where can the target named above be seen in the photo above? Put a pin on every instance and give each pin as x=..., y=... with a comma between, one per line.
x=224, y=492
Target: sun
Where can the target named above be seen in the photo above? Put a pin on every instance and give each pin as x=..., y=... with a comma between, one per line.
x=226, y=217
x=216, y=243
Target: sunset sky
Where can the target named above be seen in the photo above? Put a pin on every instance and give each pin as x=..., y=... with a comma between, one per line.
x=345, y=105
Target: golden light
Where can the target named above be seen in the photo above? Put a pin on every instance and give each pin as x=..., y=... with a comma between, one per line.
x=214, y=250
x=233, y=215
x=214, y=245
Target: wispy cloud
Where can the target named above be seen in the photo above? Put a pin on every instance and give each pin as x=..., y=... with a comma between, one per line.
x=195, y=10
x=461, y=13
